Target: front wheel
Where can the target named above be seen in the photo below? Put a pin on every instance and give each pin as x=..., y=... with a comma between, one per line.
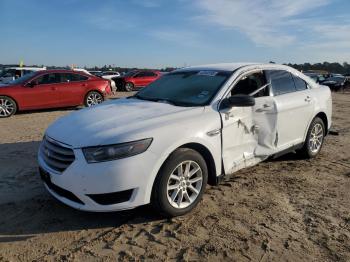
x=93, y=98
x=180, y=183
x=8, y=107
x=314, y=139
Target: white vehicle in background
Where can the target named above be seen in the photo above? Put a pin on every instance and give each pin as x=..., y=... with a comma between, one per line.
x=190, y=127
x=82, y=70
x=11, y=73
x=109, y=75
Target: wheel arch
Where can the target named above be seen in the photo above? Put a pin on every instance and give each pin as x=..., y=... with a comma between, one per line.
x=205, y=153
x=92, y=90
x=324, y=118
x=14, y=99
x=208, y=157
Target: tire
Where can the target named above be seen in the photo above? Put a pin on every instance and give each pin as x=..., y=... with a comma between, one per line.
x=168, y=191
x=314, y=139
x=93, y=98
x=129, y=86
x=8, y=107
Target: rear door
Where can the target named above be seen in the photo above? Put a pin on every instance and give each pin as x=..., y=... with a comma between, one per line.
x=72, y=88
x=294, y=105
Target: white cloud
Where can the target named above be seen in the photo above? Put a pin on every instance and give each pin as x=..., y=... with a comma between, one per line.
x=265, y=22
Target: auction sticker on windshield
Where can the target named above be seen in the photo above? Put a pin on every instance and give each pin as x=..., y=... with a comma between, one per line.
x=207, y=73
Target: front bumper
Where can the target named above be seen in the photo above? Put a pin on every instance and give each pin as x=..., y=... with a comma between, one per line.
x=101, y=187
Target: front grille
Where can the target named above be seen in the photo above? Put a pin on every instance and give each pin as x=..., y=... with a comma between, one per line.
x=55, y=155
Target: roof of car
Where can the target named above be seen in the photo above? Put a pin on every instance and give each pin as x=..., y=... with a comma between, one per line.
x=62, y=71
x=222, y=66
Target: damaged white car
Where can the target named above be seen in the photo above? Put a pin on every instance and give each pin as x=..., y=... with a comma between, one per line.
x=189, y=128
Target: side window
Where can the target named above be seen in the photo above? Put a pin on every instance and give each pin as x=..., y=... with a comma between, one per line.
x=48, y=79
x=300, y=84
x=281, y=81
x=150, y=74
x=75, y=77
x=141, y=74
x=250, y=84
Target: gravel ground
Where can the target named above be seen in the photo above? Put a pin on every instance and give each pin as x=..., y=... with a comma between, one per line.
x=286, y=209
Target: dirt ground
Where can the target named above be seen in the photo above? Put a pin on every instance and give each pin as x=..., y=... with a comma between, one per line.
x=286, y=209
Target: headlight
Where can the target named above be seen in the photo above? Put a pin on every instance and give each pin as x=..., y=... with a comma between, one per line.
x=112, y=152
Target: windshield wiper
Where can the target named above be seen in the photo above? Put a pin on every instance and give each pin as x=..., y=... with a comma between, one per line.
x=162, y=100
x=143, y=98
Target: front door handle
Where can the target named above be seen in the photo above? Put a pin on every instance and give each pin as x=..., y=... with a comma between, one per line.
x=264, y=108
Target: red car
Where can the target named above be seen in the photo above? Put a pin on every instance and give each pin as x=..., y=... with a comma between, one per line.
x=51, y=89
x=135, y=80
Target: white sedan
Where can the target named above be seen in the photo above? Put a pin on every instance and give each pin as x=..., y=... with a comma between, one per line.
x=191, y=127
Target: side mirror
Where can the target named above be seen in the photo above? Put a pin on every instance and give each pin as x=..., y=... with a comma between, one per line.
x=237, y=101
x=31, y=84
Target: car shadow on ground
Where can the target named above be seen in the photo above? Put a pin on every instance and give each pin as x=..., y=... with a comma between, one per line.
x=27, y=209
x=24, y=112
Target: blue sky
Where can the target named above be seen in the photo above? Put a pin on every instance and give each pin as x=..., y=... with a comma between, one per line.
x=159, y=33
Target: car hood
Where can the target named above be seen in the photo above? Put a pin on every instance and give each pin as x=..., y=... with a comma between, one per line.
x=117, y=121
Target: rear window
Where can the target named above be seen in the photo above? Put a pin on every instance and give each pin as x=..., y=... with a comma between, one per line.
x=73, y=77
x=300, y=84
x=281, y=82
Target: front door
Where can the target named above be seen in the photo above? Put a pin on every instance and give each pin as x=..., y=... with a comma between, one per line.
x=44, y=94
x=246, y=130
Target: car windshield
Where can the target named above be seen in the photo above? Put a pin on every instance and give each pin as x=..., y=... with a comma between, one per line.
x=23, y=79
x=186, y=88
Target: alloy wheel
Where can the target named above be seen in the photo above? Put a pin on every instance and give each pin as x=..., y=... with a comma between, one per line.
x=6, y=107
x=316, y=138
x=184, y=184
x=94, y=99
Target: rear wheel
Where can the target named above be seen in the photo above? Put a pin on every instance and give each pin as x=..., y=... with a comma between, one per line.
x=314, y=139
x=129, y=87
x=180, y=183
x=93, y=98
x=8, y=107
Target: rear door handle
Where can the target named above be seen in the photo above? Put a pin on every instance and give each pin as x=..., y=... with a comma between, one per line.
x=308, y=99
